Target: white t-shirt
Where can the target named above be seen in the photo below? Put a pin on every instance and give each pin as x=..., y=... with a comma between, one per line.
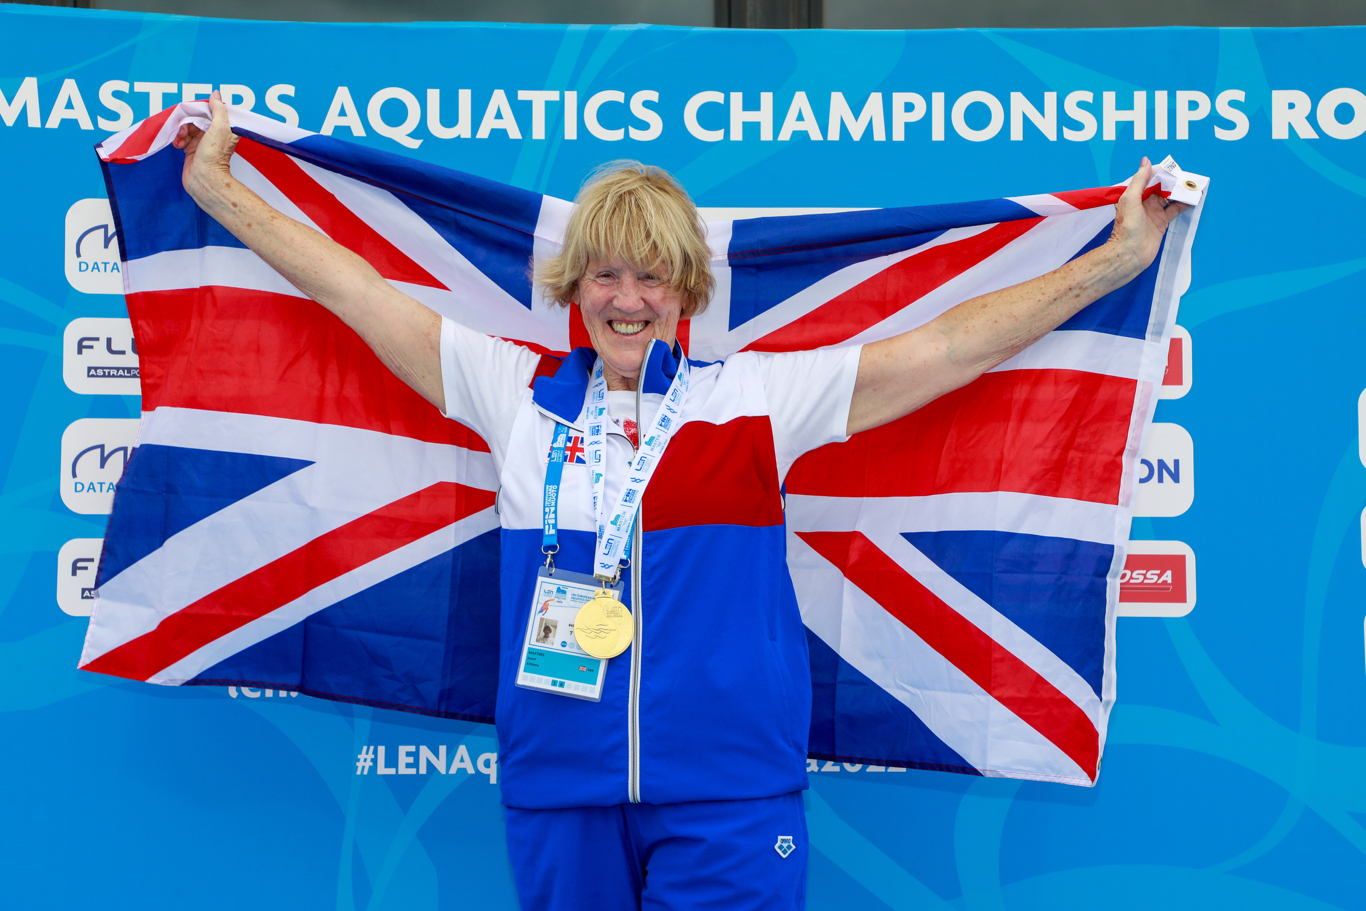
x=808, y=392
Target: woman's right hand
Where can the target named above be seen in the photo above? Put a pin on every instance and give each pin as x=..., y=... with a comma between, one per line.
x=207, y=155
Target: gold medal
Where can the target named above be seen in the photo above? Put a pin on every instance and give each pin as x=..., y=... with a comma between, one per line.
x=603, y=626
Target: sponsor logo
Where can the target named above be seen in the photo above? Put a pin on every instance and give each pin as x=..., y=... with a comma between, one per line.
x=1166, y=473
x=92, y=249
x=1176, y=382
x=99, y=356
x=423, y=760
x=94, y=454
x=1154, y=578
x=1158, y=580
x=784, y=846
x=77, y=563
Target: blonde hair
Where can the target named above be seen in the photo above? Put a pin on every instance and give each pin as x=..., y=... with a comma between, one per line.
x=639, y=213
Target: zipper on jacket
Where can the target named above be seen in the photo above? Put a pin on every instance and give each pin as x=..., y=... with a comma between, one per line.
x=637, y=563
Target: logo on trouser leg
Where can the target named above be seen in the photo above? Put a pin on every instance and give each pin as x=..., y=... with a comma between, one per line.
x=784, y=846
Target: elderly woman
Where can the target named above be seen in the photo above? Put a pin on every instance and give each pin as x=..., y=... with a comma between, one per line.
x=670, y=780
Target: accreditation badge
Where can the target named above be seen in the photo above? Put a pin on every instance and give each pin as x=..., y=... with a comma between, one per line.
x=552, y=660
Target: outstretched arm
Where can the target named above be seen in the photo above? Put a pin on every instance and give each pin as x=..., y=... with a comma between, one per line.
x=900, y=374
x=404, y=333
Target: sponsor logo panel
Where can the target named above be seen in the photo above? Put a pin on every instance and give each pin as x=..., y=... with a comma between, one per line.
x=94, y=453
x=1166, y=473
x=1176, y=382
x=1361, y=427
x=92, y=248
x=1158, y=580
x=77, y=563
x=99, y=356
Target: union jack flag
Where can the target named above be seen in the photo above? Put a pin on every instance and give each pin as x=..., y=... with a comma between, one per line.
x=573, y=450
x=295, y=517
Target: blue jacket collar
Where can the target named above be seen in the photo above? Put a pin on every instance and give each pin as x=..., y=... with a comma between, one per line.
x=562, y=395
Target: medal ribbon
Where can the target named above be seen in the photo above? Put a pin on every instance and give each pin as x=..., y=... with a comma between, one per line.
x=614, y=528
x=554, y=470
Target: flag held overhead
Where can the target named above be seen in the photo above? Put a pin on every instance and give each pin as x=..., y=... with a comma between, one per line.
x=296, y=517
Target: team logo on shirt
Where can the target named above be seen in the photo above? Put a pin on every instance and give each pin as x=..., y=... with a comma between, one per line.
x=784, y=846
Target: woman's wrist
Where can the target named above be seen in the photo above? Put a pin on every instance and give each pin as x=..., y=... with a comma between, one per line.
x=1120, y=262
x=211, y=188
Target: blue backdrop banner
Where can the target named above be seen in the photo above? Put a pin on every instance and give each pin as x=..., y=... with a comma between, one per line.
x=1235, y=756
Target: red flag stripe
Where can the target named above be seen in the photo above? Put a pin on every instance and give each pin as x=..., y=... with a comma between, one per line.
x=332, y=217
x=142, y=138
x=1103, y=196
x=290, y=577
x=1057, y=433
x=1010, y=681
x=304, y=364
x=891, y=290
x=1091, y=198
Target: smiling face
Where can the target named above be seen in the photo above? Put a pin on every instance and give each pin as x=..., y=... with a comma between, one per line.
x=624, y=308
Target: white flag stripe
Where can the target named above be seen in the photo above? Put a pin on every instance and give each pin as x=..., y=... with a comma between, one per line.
x=711, y=330
x=738, y=213
x=363, y=471
x=1046, y=246
x=1006, y=511
x=255, y=434
x=330, y=593
x=1044, y=204
x=259, y=184
x=238, y=267
x=1084, y=350
x=227, y=267
x=482, y=304
x=551, y=223
x=952, y=705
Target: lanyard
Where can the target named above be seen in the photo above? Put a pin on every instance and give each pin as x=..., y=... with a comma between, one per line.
x=550, y=523
x=614, y=529
x=554, y=469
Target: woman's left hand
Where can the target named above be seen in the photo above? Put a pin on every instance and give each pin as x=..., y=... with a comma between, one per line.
x=1140, y=223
